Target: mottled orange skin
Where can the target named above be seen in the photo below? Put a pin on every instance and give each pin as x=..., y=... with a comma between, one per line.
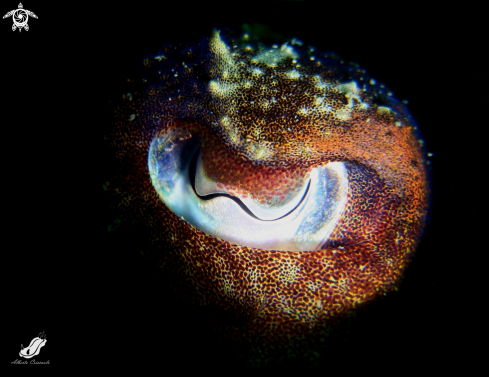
x=244, y=179
x=276, y=295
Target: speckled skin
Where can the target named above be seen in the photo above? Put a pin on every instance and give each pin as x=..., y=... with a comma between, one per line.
x=287, y=111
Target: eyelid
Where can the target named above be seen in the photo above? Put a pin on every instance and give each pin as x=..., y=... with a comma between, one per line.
x=206, y=186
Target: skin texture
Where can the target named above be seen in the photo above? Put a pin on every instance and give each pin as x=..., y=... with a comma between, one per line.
x=264, y=120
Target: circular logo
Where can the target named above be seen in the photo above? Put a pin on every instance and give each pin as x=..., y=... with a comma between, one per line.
x=20, y=17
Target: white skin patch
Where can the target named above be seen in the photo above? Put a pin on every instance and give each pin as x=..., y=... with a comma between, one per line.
x=257, y=71
x=232, y=74
x=273, y=57
x=293, y=74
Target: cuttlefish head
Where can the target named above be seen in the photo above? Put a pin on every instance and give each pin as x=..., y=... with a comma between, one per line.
x=287, y=184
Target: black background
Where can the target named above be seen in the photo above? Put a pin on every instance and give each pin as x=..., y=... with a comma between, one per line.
x=99, y=302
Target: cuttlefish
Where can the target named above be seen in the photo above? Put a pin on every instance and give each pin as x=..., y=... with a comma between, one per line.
x=281, y=184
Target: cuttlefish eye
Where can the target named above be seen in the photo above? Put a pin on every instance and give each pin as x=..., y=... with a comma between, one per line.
x=280, y=183
x=283, y=218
